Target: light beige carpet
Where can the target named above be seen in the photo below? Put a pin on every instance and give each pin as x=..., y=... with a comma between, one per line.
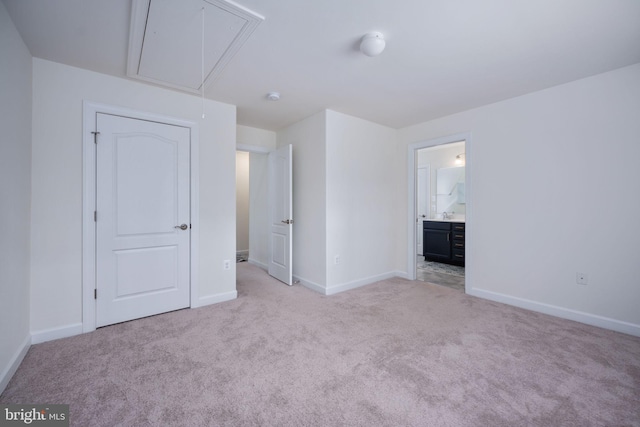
x=394, y=353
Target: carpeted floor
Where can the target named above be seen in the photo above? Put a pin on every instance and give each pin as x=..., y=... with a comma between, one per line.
x=394, y=353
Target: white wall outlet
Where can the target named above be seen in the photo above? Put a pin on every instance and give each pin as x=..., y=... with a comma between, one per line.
x=337, y=259
x=582, y=279
x=227, y=264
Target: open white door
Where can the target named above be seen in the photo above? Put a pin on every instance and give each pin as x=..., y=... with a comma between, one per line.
x=280, y=214
x=142, y=220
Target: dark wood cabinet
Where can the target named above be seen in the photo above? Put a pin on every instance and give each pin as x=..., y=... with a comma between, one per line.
x=437, y=240
x=444, y=241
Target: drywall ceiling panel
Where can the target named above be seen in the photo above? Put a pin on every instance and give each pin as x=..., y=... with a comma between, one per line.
x=178, y=44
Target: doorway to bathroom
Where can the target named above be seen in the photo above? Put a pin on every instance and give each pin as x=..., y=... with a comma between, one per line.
x=438, y=196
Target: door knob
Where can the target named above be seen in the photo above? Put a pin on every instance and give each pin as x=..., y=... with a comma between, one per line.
x=182, y=226
x=287, y=221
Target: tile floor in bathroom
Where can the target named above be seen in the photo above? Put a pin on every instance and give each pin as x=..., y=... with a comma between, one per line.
x=440, y=274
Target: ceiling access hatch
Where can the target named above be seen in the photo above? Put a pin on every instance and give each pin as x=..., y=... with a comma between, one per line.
x=166, y=39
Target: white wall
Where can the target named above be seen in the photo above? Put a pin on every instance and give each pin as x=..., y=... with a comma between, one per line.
x=566, y=160
x=242, y=201
x=309, y=200
x=253, y=137
x=345, y=194
x=15, y=195
x=361, y=185
x=58, y=93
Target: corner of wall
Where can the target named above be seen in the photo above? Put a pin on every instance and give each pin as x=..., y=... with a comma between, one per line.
x=14, y=363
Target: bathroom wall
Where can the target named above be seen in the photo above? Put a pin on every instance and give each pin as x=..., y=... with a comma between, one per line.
x=442, y=156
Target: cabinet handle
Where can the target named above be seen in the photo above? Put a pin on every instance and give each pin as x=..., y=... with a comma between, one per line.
x=448, y=236
x=459, y=256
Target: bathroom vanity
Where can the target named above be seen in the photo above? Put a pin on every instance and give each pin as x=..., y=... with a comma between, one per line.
x=444, y=241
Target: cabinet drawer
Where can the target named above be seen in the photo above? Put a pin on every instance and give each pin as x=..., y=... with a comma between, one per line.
x=458, y=244
x=458, y=255
x=457, y=235
x=458, y=226
x=436, y=225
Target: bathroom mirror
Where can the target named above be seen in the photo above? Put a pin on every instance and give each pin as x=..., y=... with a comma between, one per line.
x=450, y=191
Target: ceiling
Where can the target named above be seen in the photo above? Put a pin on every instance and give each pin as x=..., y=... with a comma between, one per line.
x=441, y=57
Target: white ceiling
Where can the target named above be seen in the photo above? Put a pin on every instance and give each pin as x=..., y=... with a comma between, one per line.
x=442, y=56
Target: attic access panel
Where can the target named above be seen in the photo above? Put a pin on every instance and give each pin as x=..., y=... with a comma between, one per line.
x=165, y=40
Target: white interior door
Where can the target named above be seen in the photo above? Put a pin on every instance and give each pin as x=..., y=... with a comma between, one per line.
x=280, y=214
x=142, y=218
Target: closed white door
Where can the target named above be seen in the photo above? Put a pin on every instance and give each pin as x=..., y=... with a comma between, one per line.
x=142, y=218
x=280, y=214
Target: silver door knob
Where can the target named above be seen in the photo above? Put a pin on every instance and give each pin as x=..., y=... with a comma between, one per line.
x=287, y=221
x=182, y=226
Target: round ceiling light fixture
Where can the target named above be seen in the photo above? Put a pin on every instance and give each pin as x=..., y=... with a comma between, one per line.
x=273, y=96
x=372, y=44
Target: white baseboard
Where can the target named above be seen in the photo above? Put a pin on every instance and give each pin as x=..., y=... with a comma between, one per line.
x=345, y=286
x=401, y=274
x=565, y=313
x=15, y=362
x=214, y=299
x=358, y=283
x=38, y=337
x=258, y=263
x=309, y=284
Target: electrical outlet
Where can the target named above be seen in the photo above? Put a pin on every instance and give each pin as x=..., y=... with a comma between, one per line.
x=337, y=259
x=582, y=279
x=227, y=264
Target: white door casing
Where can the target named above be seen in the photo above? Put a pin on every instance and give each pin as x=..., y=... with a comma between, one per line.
x=142, y=195
x=280, y=214
x=423, y=196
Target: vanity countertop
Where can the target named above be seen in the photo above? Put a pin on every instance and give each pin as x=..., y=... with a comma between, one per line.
x=446, y=220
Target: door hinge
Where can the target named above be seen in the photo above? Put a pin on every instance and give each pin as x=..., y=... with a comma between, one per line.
x=95, y=216
x=95, y=293
x=95, y=136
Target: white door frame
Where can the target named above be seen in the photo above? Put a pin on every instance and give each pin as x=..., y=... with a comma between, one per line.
x=418, y=222
x=89, y=111
x=412, y=211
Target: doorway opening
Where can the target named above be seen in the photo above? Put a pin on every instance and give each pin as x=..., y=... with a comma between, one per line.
x=270, y=210
x=252, y=226
x=438, y=209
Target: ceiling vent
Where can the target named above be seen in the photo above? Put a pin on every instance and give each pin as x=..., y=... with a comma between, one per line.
x=166, y=39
